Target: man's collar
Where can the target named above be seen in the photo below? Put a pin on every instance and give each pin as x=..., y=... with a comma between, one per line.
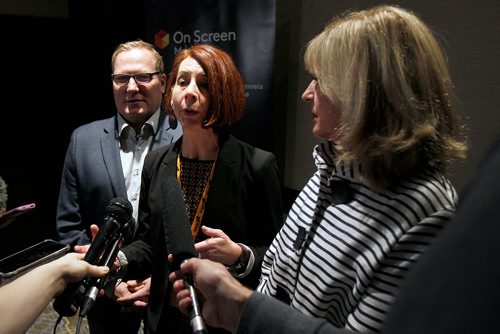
x=153, y=121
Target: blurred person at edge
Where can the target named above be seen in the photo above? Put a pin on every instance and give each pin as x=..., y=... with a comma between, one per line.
x=104, y=161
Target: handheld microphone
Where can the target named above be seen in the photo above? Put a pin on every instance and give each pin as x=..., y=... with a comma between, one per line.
x=118, y=224
x=182, y=245
x=117, y=218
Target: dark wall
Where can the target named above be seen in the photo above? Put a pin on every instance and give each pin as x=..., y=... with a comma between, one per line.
x=55, y=77
x=35, y=98
x=95, y=33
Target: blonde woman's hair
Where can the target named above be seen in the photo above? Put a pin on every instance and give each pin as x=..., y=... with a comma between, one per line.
x=388, y=76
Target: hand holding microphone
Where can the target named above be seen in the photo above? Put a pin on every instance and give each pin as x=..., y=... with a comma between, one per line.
x=182, y=246
x=118, y=225
x=224, y=297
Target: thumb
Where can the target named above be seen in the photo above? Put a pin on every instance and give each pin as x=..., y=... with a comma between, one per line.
x=212, y=232
x=98, y=271
x=94, y=229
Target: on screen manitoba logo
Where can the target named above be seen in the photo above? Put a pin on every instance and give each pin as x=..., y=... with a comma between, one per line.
x=162, y=39
x=182, y=40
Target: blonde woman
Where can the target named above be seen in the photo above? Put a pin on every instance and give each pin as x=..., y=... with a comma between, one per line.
x=382, y=104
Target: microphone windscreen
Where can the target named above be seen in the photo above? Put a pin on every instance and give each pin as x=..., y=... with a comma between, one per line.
x=117, y=215
x=120, y=209
x=178, y=227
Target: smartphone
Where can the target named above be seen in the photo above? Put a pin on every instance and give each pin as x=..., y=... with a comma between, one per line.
x=7, y=217
x=23, y=261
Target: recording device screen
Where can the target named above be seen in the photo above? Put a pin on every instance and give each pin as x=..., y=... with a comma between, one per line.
x=31, y=257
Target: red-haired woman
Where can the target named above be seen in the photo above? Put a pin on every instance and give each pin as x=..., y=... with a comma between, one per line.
x=231, y=189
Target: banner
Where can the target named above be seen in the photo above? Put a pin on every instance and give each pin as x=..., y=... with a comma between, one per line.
x=244, y=29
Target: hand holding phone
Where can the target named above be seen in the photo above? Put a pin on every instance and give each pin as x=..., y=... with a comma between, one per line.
x=8, y=217
x=21, y=262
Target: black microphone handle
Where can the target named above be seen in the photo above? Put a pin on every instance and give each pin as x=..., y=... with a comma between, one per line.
x=95, y=284
x=106, y=234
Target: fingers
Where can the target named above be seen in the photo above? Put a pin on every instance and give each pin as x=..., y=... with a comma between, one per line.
x=121, y=290
x=134, y=293
x=184, y=301
x=219, y=249
x=76, y=255
x=186, y=267
x=174, y=276
x=189, y=265
x=74, y=268
x=179, y=285
x=94, y=229
x=140, y=304
x=213, y=232
x=82, y=249
x=134, y=285
x=183, y=297
x=116, y=264
x=134, y=296
x=95, y=271
x=209, y=244
x=215, y=243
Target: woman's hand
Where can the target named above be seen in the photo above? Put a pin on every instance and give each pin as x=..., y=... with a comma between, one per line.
x=218, y=247
x=133, y=295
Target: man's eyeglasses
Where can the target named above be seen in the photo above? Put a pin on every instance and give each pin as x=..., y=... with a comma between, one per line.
x=123, y=79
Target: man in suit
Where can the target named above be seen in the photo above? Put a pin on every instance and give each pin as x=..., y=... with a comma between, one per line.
x=104, y=160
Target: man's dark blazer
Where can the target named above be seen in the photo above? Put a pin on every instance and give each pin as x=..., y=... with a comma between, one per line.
x=93, y=175
x=244, y=201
